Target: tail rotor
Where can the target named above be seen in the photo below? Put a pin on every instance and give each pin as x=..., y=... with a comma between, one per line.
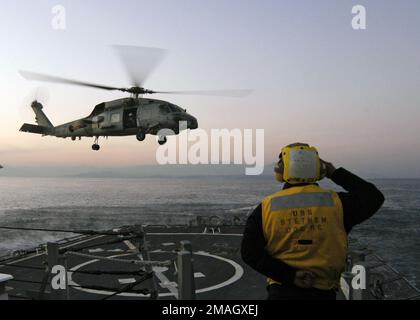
x=38, y=95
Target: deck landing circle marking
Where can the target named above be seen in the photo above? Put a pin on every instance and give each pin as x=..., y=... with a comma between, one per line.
x=239, y=271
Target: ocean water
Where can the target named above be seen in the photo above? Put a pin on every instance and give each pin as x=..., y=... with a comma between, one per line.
x=86, y=203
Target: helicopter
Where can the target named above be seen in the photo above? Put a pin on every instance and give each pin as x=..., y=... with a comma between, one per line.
x=127, y=116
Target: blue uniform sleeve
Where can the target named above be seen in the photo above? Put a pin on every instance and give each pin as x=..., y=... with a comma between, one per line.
x=361, y=201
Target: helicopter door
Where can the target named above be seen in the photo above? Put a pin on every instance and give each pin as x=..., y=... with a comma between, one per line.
x=130, y=118
x=144, y=116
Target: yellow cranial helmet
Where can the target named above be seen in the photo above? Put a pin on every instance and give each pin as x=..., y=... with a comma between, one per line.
x=299, y=163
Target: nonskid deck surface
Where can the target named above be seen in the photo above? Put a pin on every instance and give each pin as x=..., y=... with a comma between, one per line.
x=218, y=269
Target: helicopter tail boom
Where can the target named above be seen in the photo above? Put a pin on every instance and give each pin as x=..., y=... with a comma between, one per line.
x=40, y=116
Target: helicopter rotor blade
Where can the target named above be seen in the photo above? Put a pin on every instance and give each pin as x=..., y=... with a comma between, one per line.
x=139, y=62
x=28, y=75
x=217, y=93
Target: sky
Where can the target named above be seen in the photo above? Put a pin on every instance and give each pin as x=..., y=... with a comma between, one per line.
x=354, y=94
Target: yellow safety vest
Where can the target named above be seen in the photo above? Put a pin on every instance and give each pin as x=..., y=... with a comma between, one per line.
x=303, y=227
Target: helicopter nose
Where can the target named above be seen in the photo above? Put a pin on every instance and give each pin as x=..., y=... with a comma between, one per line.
x=192, y=123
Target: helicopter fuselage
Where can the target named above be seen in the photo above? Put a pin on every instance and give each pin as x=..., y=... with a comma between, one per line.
x=127, y=116
x=121, y=117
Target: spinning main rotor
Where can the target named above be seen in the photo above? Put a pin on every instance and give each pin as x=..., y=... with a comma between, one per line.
x=139, y=63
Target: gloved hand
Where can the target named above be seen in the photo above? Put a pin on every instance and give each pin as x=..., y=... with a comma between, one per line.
x=329, y=167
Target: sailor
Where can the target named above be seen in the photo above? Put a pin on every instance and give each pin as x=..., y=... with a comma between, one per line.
x=297, y=237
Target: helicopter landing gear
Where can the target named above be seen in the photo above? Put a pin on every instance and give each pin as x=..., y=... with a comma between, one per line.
x=140, y=135
x=95, y=145
x=162, y=140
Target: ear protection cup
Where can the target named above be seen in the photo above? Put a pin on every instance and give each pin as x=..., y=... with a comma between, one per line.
x=278, y=169
x=299, y=163
x=323, y=171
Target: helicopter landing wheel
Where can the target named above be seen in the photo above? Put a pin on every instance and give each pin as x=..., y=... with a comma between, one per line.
x=95, y=145
x=162, y=140
x=140, y=136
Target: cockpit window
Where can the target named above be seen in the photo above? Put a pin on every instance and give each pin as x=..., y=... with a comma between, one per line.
x=98, y=110
x=175, y=108
x=164, y=109
x=171, y=107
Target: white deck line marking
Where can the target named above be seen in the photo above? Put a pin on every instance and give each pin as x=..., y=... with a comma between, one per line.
x=170, y=284
x=158, y=271
x=130, y=245
x=165, y=283
x=126, y=281
x=199, y=275
x=239, y=271
x=167, y=244
x=238, y=274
